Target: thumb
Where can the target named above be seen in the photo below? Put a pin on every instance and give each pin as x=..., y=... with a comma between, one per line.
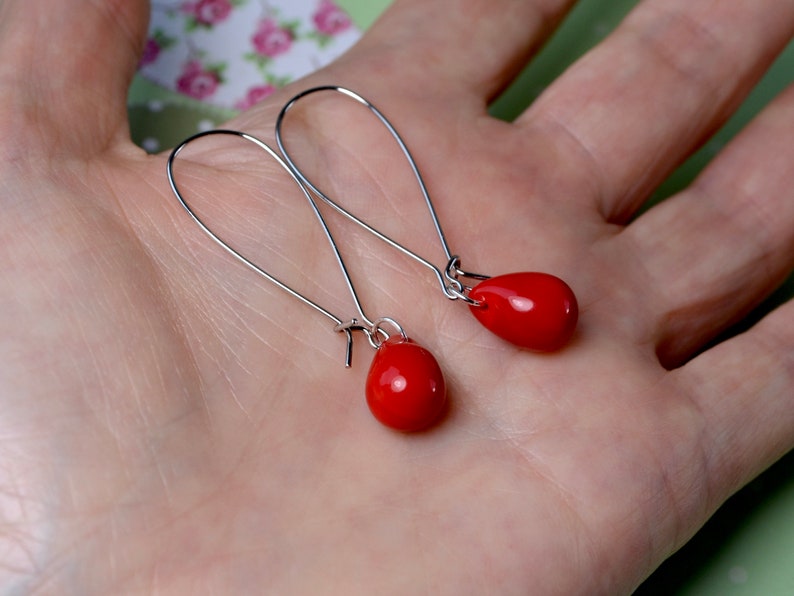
x=65, y=70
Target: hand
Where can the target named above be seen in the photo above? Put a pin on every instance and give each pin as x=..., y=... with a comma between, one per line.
x=171, y=422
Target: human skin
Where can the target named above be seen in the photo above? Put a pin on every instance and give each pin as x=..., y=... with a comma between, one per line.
x=171, y=423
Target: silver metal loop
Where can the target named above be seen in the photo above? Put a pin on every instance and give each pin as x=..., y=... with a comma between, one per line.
x=370, y=328
x=378, y=331
x=464, y=297
x=454, y=271
x=461, y=291
x=453, y=292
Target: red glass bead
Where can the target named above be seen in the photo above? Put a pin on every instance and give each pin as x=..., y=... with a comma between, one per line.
x=536, y=311
x=405, y=386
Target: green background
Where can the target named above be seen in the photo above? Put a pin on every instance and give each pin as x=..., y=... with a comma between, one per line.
x=747, y=548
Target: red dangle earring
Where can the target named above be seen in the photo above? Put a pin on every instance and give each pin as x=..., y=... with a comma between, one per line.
x=533, y=310
x=405, y=388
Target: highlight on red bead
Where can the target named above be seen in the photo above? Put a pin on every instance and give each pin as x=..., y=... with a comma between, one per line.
x=536, y=311
x=405, y=387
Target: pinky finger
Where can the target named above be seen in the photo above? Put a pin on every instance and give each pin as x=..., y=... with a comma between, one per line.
x=744, y=388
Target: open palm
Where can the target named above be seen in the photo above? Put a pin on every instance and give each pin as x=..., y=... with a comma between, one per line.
x=173, y=423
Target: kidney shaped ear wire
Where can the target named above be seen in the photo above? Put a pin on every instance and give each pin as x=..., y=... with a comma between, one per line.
x=533, y=310
x=405, y=387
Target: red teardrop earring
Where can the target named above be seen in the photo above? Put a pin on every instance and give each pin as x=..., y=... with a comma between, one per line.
x=405, y=387
x=532, y=310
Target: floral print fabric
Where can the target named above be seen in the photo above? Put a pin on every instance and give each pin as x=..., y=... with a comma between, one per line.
x=233, y=53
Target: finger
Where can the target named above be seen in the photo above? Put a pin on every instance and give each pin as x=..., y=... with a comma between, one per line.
x=457, y=47
x=633, y=108
x=711, y=254
x=67, y=66
x=743, y=390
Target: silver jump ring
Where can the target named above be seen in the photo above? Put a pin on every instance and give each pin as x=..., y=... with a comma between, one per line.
x=456, y=289
x=377, y=331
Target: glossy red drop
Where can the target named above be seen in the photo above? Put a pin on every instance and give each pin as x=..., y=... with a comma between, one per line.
x=405, y=386
x=536, y=311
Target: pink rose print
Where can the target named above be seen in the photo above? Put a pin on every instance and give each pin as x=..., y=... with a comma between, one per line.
x=329, y=19
x=197, y=81
x=206, y=13
x=254, y=96
x=272, y=40
x=155, y=44
x=150, y=52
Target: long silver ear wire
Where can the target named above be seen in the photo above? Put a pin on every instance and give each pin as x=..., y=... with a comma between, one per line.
x=373, y=329
x=532, y=310
x=450, y=277
x=405, y=386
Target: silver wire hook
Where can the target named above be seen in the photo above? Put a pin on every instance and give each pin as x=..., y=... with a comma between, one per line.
x=372, y=329
x=453, y=288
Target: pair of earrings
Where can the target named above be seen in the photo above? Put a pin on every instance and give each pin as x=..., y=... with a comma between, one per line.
x=405, y=387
